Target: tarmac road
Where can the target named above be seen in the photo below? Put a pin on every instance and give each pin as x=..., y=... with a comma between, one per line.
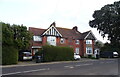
x=87, y=67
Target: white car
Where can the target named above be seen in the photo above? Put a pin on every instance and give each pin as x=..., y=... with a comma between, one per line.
x=115, y=54
x=25, y=56
x=77, y=57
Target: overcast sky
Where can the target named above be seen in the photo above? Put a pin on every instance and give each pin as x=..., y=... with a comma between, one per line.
x=41, y=13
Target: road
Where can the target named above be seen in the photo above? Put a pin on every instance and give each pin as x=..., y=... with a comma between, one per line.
x=92, y=67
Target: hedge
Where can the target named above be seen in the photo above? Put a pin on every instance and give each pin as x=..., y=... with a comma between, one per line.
x=9, y=56
x=55, y=53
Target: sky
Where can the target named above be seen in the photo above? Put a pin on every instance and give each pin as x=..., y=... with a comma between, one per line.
x=41, y=13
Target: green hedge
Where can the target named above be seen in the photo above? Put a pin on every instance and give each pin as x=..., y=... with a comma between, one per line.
x=55, y=53
x=9, y=56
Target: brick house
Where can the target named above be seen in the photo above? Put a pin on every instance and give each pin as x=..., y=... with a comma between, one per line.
x=82, y=43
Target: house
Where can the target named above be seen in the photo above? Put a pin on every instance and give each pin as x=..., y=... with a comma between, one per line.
x=82, y=43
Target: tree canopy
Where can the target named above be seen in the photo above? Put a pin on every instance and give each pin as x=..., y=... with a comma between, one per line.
x=14, y=39
x=107, y=22
x=99, y=44
x=15, y=35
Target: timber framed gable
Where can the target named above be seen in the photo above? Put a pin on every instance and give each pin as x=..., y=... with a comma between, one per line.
x=52, y=31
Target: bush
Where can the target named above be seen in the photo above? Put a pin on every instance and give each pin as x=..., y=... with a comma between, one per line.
x=55, y=53
x=89, y=56
x=9, y=55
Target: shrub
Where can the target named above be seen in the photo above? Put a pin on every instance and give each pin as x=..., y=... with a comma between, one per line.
x=89, y=56
x=38, y=53
x=9, y=55
x=55, y=53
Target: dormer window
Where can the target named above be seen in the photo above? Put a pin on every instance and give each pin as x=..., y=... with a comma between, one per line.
x=77, y=41
x=37, y=38
x=62, y=40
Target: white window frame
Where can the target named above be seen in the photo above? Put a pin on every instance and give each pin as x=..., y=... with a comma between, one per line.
x=77, y=51
x=89, y=50
x=77, y=42
x=51, y=40
x=62, y=40
x=88, y=41
x=37, y=38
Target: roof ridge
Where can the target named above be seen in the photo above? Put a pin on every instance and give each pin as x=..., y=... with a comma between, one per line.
x=86, y=31
x=63, y=28
x=36, y=28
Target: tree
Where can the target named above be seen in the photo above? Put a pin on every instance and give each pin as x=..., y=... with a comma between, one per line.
x=107, y=22
x=16, y=35
x=7, y=35
x=21, y=36
x=99, y=44
x=9, y=52
x=14, y=39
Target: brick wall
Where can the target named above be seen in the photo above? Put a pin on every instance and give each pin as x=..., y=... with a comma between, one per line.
x=68, y=42
x=44, y=40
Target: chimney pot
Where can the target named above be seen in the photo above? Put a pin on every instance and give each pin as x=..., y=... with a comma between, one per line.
x=75, y=28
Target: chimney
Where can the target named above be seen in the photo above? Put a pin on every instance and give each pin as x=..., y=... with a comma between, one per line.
x=75, y=28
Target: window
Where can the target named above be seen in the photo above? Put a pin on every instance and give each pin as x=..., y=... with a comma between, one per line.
x=51, y=40
x=88, y=50
x=77, y=41
x=77, y=50
x=62, y=40
x=88, y=41
x=37, y=38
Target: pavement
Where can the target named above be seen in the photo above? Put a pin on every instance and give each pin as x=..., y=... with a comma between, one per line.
x=29, y=63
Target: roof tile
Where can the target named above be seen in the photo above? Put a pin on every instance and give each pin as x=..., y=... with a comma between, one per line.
x=66, y=33
x=36, y=31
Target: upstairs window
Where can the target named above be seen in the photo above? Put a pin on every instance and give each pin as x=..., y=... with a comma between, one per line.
x=88, y=41
x=37, y=38
x=77, y=41
x=62, y=40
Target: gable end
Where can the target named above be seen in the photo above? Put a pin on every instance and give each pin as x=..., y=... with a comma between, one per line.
x=90, y=36
x=52, y=31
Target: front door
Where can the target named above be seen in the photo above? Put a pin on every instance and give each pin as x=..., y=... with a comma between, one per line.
x=51, y=40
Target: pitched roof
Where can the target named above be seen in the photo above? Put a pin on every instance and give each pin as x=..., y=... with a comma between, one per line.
x=84, y=34
x=52, y=31
x=69, y=33
x=88, y=35
x=36, y=31
x=65, y=32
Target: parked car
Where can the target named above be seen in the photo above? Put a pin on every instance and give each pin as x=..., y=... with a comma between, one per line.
x=25, y=56
x=108, y=54
x=115, y=54
x=77, y=57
